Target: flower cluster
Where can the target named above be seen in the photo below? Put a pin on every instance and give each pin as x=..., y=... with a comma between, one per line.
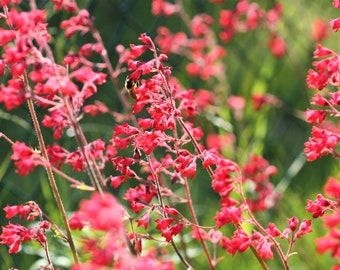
x=200, y=46
x=242, y=240
x=107, y=248
x=328, y=210
x=261, y=194
x=14, y=235
x=325, y=135
x=325, y=138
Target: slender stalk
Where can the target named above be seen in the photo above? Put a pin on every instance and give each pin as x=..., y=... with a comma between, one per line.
x=259, y=259
x=81, y=141
x=50, y=265
x=50, y=175
x=259, y=226
x=160, y=198
x=41, y=141
x=193, y=215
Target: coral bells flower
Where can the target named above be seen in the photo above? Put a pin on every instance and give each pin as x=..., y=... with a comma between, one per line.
x=321, y=143
x=319, y=206
x=139, y=197
x=329, y=242
x=14, y=210
x=326, y=70
x=162, y=7
x=335, y=24
x=236, y=104
x=168, y=231
x=6, y=36
x=258, y=171
x=332, y=188
x=240, y=241
x=229, y=213
x=315, y=116
x=319, y=30
x=101, y=212
x=81, y=22
x=13, y=94
x=277, y=45
x=25, y=158
x=14, y=234
x=305, y=227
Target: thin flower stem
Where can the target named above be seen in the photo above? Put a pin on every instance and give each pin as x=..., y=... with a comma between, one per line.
x=48, y=257
x=50, y=175
x=259, y=259
x=92, y=168
x=183, y=14
x=75, y=183
x=160, y=198
x=95, y=176
x=258, y=225
x=291, y=242
x=2, y=135
x=193, y=215
x=198, y=150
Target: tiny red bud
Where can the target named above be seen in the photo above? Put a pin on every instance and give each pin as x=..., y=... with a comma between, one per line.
x=163, y=58
x=293, y=223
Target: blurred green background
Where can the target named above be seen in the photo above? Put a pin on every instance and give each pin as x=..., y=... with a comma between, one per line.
x=277, y=134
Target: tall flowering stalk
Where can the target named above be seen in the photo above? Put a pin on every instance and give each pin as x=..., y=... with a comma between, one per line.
x=156, y=149
x=325, y=137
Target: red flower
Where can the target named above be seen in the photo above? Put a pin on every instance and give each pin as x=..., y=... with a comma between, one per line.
x=14, y=210
x=228, y=214
x=293, y=222
x=335, y=24
x=273, y=230
x=161, y=7
x=315, y=116
x=57, y=120
x=139, y=197
x=319, y=206
x=163, y=224
x=6, y=36
x=116, y=181
x=76, y=160
x=80, y=22
x=264, y=250
x=102, y=212
x=144, y=220
x=171, y=43
x=277, y=45
x=332, y=188
x=14, y=235
x=305, y=227
x=56, y=154
x=319, y=30
x=25, y=159
x=172, y=231
x=12, y=95
x=240, y=241
x=321, y=143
